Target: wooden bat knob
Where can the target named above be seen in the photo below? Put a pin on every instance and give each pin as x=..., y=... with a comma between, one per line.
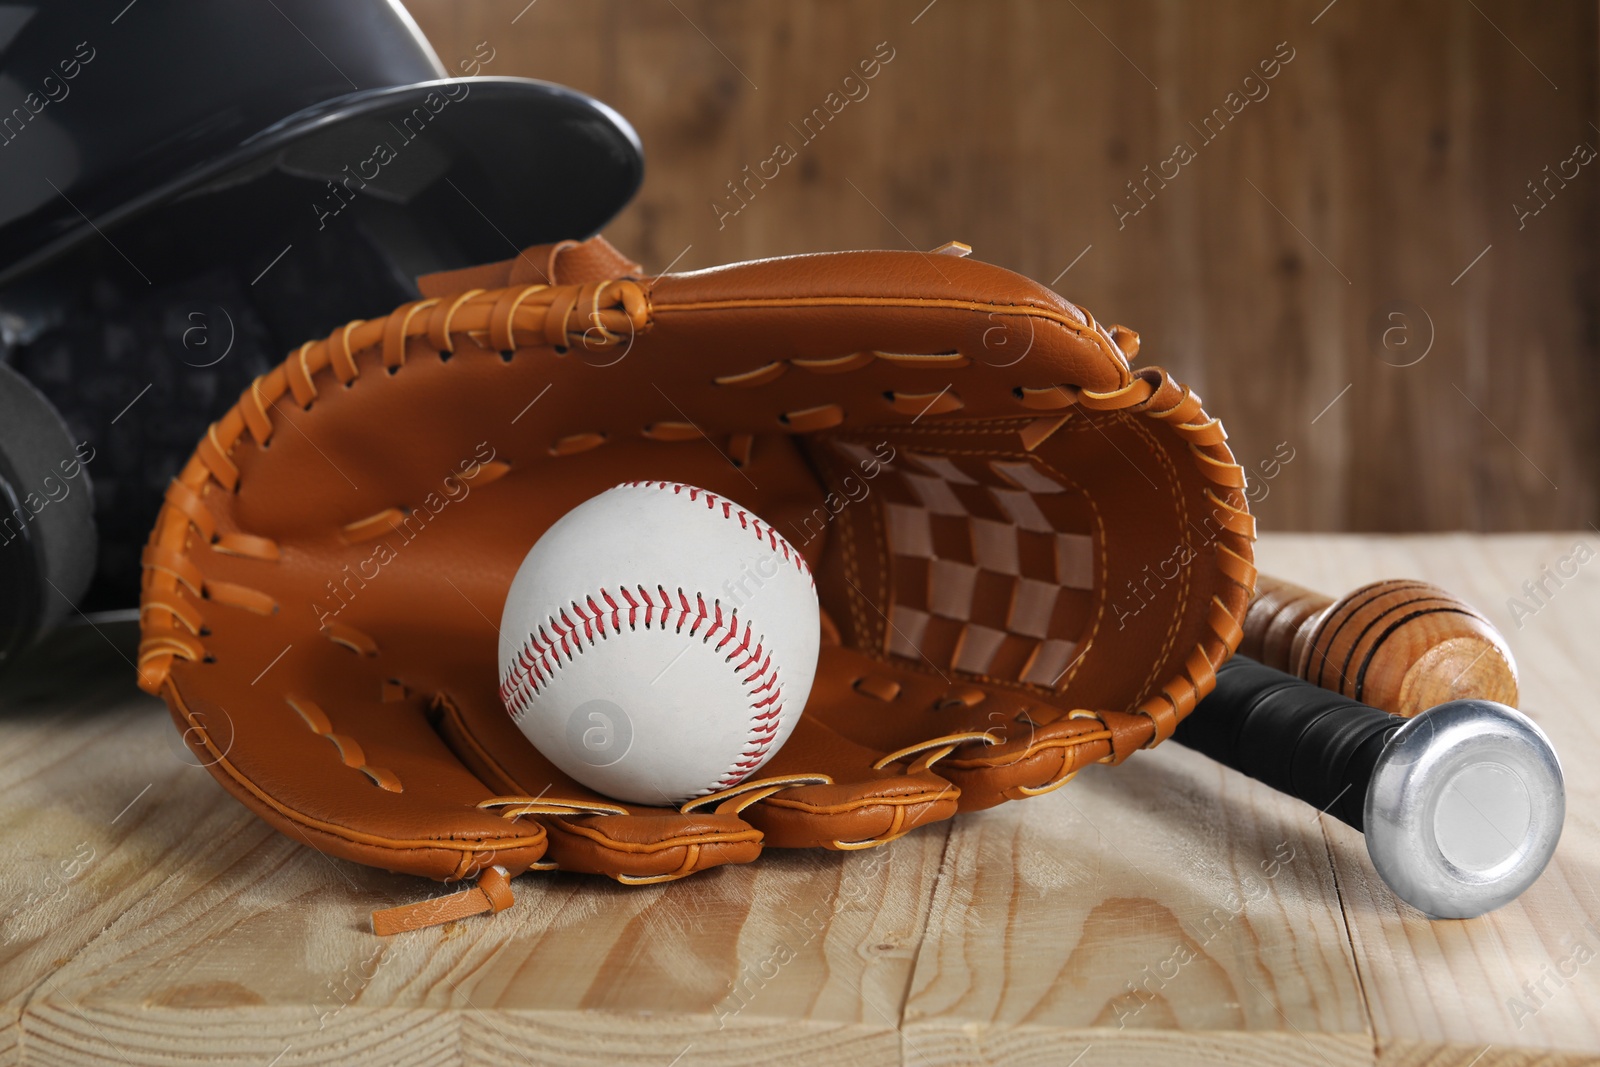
x=1402, y=646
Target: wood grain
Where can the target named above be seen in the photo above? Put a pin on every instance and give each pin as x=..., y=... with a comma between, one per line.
x=1167, y=911
x=1137, y=909
x=1295, y=272
x=1467, y=1000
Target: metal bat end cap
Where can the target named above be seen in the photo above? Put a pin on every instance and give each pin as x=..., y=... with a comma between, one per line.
x=1464, y=808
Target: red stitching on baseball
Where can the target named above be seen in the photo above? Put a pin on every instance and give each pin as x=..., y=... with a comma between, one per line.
x=769, y=535
x=536, y=662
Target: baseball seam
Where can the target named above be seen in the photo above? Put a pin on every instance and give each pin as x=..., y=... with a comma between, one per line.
x=764, y=532
x=562, y=637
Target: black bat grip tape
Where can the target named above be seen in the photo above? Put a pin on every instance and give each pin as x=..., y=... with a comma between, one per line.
x=1297, y=737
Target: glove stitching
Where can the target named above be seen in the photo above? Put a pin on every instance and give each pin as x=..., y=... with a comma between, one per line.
x=1085, y=331
x=828, y=463
x=1185, y=576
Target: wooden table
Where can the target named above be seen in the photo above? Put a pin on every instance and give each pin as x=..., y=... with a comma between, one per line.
x=1168, y=911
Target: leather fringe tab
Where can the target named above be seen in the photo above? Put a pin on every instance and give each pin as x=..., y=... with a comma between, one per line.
x=492, y=893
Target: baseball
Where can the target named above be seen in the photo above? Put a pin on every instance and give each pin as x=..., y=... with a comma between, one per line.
x=659, y=642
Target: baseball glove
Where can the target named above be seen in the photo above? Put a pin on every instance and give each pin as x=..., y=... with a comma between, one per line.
x=1029, y=557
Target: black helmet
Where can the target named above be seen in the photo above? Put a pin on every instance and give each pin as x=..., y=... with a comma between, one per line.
x=188, y=190
x=108, y=108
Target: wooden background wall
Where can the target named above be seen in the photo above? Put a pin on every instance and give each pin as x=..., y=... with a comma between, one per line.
x=1361, y=213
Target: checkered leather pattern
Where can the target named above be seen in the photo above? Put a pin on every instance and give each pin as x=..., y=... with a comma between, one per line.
x=992, y=564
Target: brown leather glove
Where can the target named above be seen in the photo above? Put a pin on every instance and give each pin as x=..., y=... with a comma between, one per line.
x=1029, y=558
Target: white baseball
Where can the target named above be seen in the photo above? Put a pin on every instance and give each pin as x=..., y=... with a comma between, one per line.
x=659, y=642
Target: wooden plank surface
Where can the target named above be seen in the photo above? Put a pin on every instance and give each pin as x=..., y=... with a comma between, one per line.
x=1380, y=163
x=1168, y=910
x=1450, y=992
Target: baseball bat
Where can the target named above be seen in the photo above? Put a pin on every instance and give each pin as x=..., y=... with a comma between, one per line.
x=1461, y=804
x=1402, y=646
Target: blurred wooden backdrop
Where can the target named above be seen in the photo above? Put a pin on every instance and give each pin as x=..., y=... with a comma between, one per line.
x=1358, y=231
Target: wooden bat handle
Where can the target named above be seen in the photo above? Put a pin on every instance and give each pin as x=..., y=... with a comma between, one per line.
x=1402, y=646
